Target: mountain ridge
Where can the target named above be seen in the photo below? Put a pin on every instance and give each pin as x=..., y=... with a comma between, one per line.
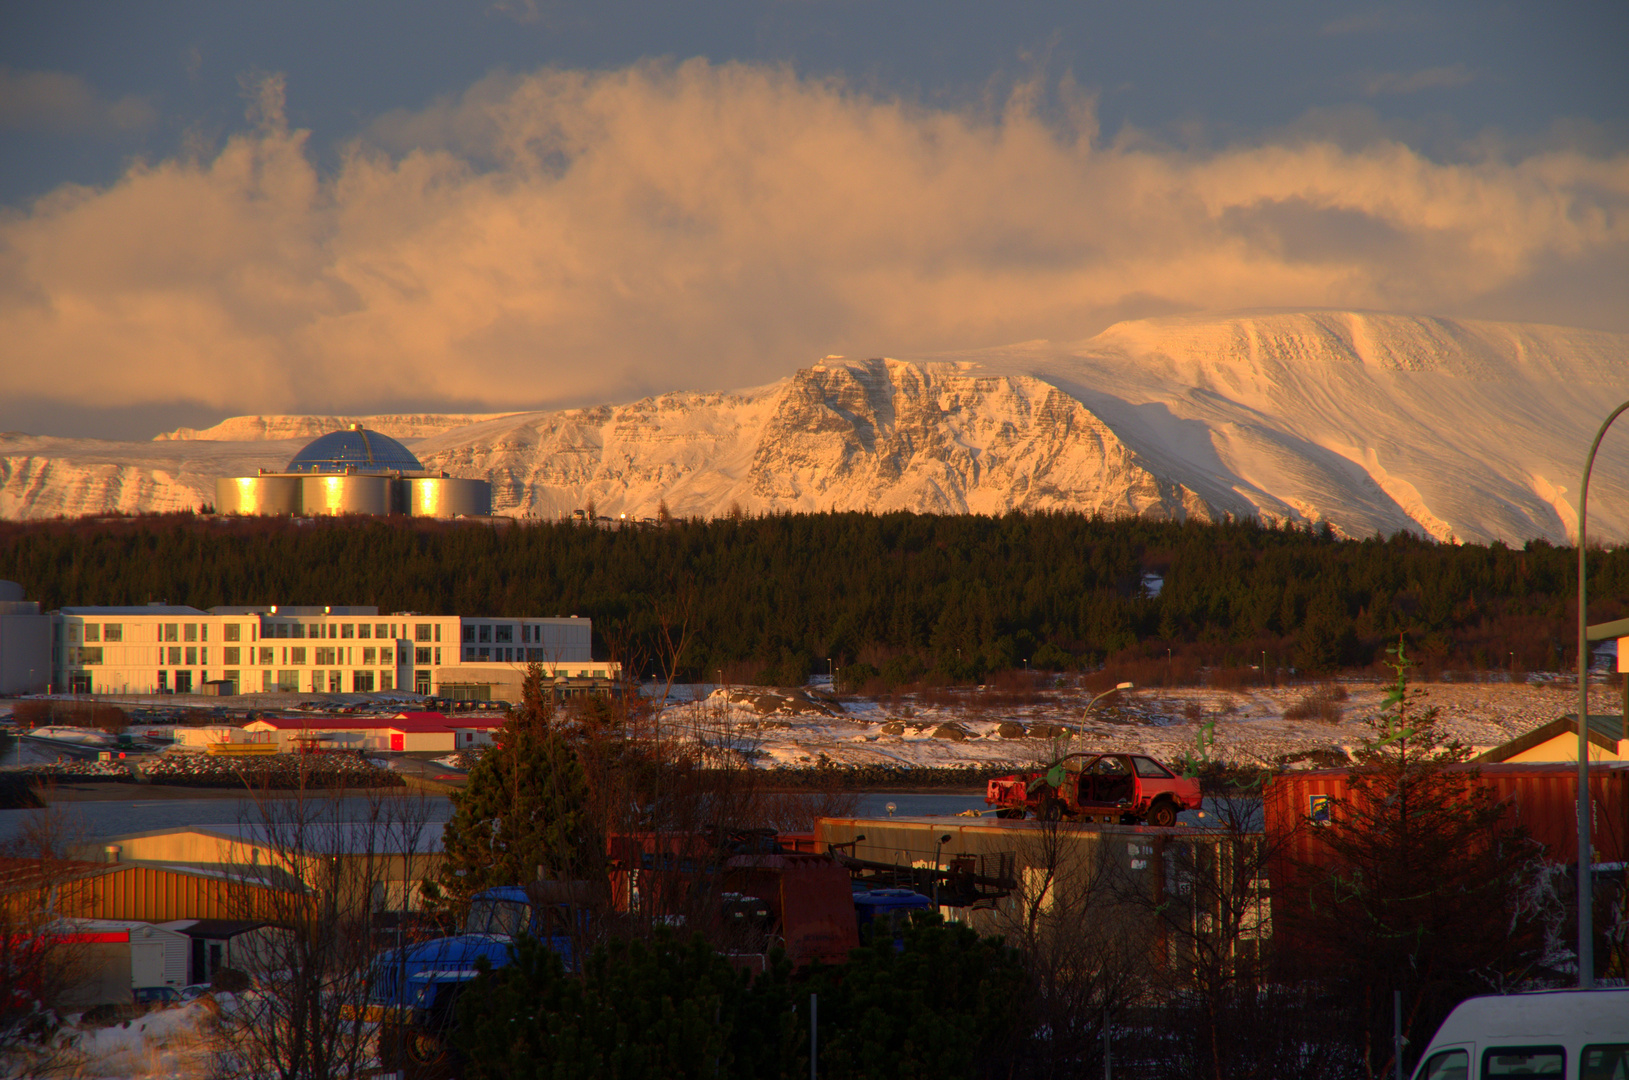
x=1368, y=421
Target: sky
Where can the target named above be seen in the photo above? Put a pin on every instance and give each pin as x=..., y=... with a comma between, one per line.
x=219, y=208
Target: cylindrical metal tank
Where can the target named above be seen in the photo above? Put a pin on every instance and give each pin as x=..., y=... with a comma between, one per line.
x=345, y=493
x=445, y=497
x=257, y=495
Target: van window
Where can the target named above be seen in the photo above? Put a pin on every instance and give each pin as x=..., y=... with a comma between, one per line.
x=1605, y=1061
x=1524, y=1061
x=1448, y=1065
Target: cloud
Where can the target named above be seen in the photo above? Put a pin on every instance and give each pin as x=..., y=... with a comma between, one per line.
x=1377, y=84
x=571, y=235
x=58, y=102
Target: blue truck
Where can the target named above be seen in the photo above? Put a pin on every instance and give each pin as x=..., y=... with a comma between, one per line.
x=415, y=988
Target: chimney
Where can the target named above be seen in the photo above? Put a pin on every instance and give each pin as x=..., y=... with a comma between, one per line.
x=113, y=851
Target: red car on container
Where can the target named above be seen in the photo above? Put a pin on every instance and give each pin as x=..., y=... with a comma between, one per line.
x=1127, y=789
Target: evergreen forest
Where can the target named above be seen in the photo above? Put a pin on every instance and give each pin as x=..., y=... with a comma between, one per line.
x=891, y=598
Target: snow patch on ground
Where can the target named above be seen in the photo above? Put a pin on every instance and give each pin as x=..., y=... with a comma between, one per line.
x=1249, y=724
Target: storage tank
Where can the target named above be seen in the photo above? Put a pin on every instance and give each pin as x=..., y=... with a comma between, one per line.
x=257, y=495
x=445, y=497
x=345, y=493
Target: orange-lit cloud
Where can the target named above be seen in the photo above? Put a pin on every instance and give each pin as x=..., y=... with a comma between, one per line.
x=575, y=235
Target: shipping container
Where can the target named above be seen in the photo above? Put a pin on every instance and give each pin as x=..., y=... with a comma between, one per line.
x=1542, y=797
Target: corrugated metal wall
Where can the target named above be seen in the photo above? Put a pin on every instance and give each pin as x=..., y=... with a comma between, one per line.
x=153, y=894
x=1544, y=798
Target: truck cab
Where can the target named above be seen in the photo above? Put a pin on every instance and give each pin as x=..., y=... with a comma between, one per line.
x=415, y=987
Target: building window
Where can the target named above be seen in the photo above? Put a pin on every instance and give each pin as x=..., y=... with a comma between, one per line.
x=333, y=681
x=268, y=656
x=192, y=656
x=347, y=630
x=505, y=633
x=189, y=632
x=297, y=657
x=89, y=655
x=278, y=630
x=469, y=654
x=203, y=632
x=288, y=682
x=297, y=630
x=266, y=685
x=113, y=632
x=534, y=655
x=232, y=677
x=324, y=657
x=469, y=633
x=387, y=680
x=362, y=682
x=229, y=654
x=421, y=632
x=175, y=656
x=421, y=656
x=438, y=631
x=231, y=632
x=483, y=654
x=93, y=632
x=486, y=633
x=368, y=655
x=364, y=630
x=203, y=655
x=438, y=658
x=172, y=631
x=163, y=682
x=183, y=682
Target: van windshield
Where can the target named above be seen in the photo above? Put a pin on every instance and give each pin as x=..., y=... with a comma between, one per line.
x=1448, y=1065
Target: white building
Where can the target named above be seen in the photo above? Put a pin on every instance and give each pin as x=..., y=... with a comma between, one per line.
x=160, y=648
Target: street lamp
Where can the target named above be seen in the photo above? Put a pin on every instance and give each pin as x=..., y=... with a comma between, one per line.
x=1087, y=710
x=1586, y=889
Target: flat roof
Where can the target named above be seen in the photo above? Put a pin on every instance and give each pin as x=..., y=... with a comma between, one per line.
x=144, y=609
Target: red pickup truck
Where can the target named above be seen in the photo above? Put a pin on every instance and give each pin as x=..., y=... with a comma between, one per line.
x=1124, y=788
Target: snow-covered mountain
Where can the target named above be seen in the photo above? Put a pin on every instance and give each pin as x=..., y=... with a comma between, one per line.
x=1371, y=422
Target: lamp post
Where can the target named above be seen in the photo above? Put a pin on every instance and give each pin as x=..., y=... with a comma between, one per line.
x=1088, y=709
x=1586, y=888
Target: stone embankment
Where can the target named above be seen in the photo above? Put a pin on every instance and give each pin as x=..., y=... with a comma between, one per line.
x=276, y=771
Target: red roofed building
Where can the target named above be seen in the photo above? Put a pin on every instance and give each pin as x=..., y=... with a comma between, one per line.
x=403, y=732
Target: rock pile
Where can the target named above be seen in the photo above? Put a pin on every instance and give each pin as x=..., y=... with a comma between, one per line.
x=276, y=771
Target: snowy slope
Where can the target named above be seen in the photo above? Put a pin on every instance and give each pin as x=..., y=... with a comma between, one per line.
x=1371, y=422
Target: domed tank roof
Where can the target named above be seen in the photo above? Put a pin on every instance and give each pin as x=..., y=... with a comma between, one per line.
x=356, y=448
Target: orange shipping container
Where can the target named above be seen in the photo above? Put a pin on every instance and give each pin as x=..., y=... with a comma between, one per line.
x=1544, y=798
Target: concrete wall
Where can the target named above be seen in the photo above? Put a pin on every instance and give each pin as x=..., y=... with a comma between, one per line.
x=25, y=648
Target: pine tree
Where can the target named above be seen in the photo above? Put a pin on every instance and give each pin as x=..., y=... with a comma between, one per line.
x=523, y=808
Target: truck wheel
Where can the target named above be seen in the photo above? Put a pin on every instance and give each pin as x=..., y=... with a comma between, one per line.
x=1051, y=810
x=1162, y=815
x=416, y=1052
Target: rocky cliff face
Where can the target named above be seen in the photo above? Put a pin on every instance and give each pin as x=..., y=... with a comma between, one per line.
x=1369, y=422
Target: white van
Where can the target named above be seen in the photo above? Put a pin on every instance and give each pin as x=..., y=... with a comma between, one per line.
x=1564, y=1034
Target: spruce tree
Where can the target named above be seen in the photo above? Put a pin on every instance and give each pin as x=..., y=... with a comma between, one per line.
x=523, y=808
x=1435, y=889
